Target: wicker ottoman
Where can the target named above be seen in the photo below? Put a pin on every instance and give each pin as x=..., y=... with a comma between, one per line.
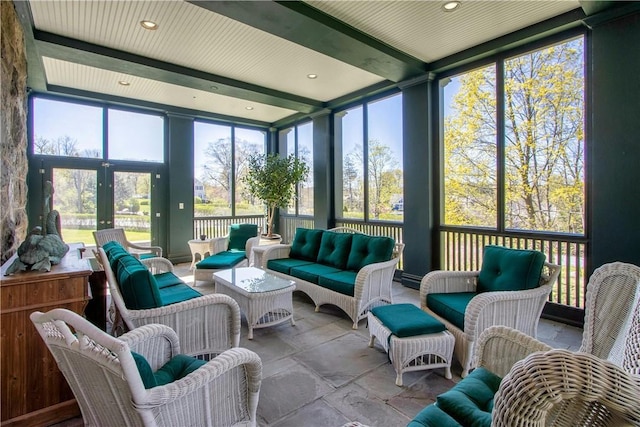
x=418, y=341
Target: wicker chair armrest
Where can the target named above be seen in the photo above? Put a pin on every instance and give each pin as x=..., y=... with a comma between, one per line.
x=500, y=347
x=158, y=265
x=381, y=272
x=275, y=252
x=503, y=308
x=441, y=281
x=157, y=343
x=196, y=314
x=156, y=250
x=251, y=243
x=205, y=377
x=589, y=391
x=218, y=244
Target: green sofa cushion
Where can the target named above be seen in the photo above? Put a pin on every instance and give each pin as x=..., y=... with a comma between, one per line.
x=306, y=244
x=334, y=249
x=239, y=234
x=505, y=269
x=114, y=252
x=432, y=416
x=471, y=400
x=137, y=285
x=177, y=293
x=367, y=250
x=450, y=306
x=164, y=280
x=178, y=367
x=283, y=265
x=221, y=260
x=311, y=272
x=343, y=282
x=407, y=320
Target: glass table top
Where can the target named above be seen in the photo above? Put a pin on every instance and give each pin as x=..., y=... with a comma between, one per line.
x=252, y=280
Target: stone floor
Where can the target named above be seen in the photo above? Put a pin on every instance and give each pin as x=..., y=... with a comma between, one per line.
x=321, y=372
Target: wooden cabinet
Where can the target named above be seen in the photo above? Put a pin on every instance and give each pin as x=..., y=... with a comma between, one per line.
x=34, y=392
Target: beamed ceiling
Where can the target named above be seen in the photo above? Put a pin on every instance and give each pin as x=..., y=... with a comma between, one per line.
x=216, y=58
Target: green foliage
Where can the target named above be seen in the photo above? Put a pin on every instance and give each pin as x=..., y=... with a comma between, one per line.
x=272, y=179
x=543, y=143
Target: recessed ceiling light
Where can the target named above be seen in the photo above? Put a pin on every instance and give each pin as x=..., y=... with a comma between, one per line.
x=249, y=107
x=123, y=83
x=214, y=87
x=312, y=76
x=450, y=6
x=149, y=25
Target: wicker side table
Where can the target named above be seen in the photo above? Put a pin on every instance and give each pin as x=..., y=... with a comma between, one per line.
x=416, y=353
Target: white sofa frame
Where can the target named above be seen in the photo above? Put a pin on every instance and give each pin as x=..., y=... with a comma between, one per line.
x=372, y=287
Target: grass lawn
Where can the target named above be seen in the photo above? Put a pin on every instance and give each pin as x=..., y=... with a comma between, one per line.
x=86, y=236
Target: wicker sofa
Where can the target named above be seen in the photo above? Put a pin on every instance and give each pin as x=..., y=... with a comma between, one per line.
x=341, y=266
x=147, y=291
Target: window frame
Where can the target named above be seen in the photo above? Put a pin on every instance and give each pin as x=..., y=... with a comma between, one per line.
x=498, y=60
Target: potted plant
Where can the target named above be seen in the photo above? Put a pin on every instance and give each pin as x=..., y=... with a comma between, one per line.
x=273, y=179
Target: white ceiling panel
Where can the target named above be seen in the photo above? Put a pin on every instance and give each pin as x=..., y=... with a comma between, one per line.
x=424, y=30
x=193, y=37
x=68, y=74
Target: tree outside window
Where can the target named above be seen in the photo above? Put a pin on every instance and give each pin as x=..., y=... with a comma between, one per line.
x=541, y=153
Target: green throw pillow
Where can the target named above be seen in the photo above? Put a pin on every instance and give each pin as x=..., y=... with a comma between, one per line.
x=306, y=244
x=239, y=234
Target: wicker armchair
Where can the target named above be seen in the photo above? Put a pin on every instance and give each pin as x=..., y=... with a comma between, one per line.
x=597, y=386
x=117, y=234
x=562, y=388
x=518, y=309
x=109, y=389
x=207, y=325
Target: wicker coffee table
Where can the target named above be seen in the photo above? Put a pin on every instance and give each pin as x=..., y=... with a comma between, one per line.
x=264, y=299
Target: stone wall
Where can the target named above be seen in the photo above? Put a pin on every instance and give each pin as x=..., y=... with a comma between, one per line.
x=13, y=133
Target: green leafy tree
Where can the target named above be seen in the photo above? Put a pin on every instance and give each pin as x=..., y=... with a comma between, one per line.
x=544, y=143
x=272, y=179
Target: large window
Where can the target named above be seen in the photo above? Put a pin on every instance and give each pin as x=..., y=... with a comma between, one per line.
x=299, y=142
x=68, y=129
x=220, y=157
x=513, y=142
x=369, y=161
x=63, y=128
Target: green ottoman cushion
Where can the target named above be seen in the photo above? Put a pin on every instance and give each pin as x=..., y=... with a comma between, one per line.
x=239, y=234
x=221, y=260
x=306, y=244
x=368, y=250
x=470, y=401
x=432, y=416
x=334, y=249
x=505, y=269
x=450, y=306
x=407, y=320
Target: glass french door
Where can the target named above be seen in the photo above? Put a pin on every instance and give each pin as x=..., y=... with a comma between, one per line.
x=106, y=197
x=132, y=205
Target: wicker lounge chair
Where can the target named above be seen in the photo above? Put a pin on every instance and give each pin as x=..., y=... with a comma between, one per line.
x=107, y=381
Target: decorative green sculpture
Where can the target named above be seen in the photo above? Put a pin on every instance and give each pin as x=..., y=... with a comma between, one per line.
x=38, y=251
